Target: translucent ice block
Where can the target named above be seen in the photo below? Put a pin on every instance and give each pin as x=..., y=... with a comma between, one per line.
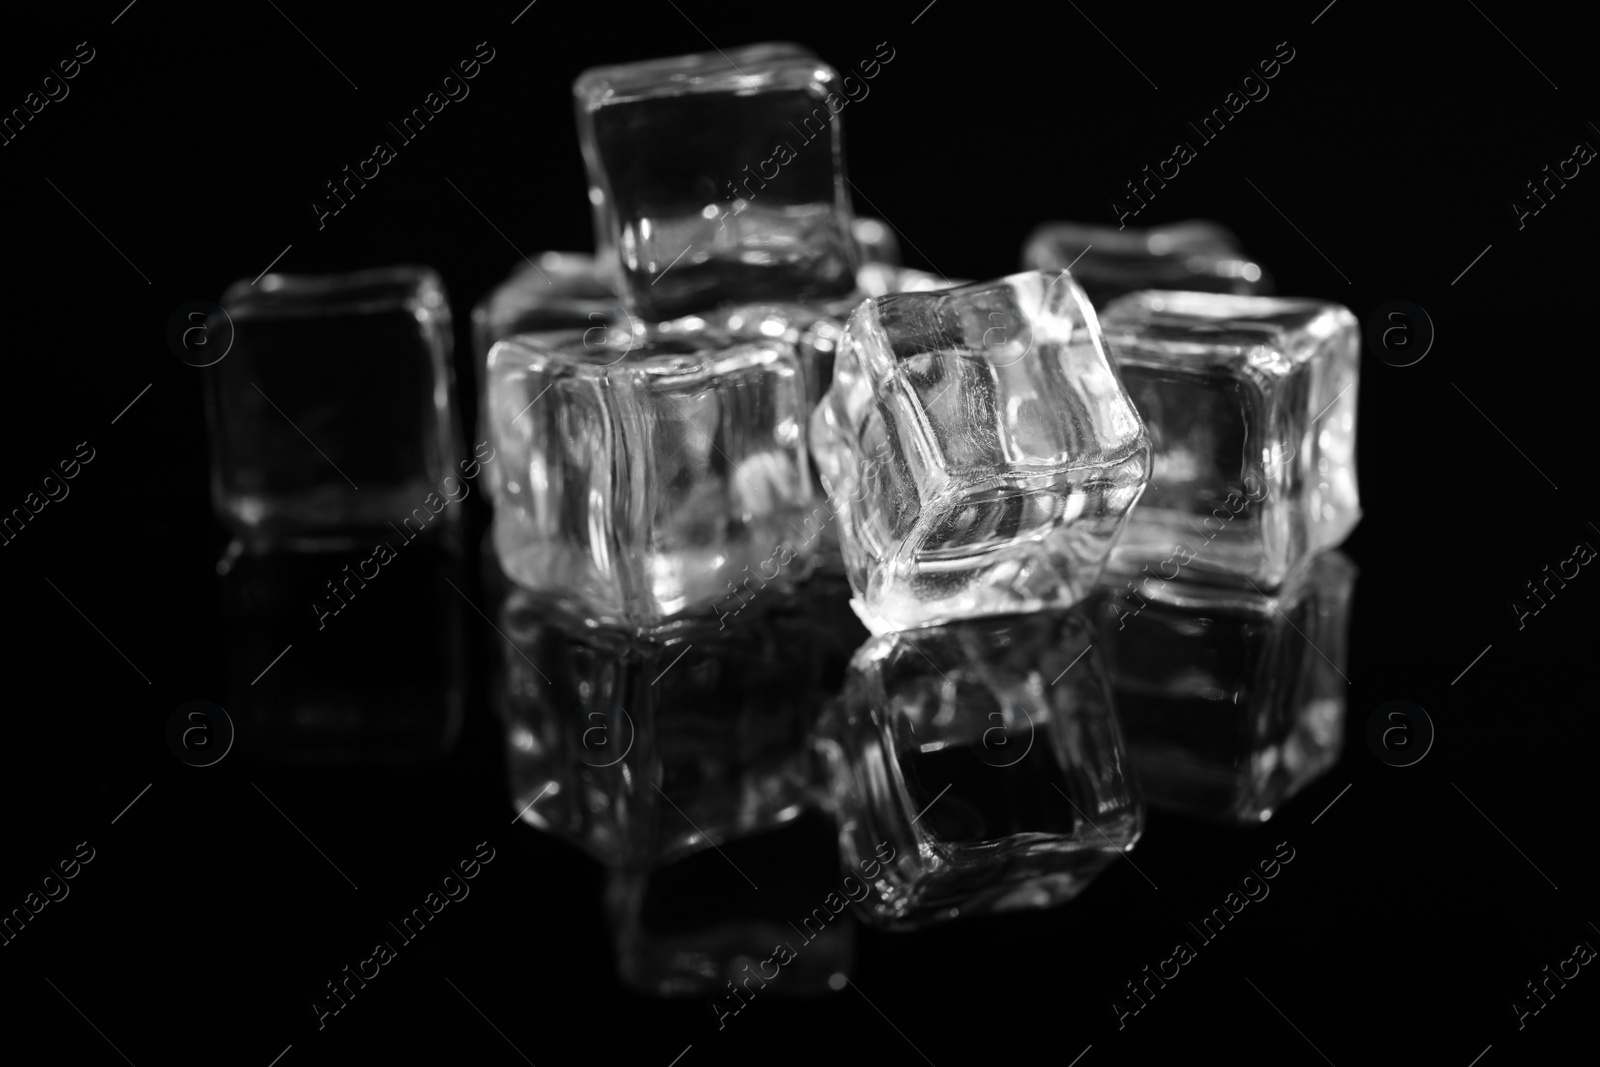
x=640, y=749
x=718, y=177
x=883, y=279
x=331, y=414
x=1195, y=255
x=978, y=767
x=641, y=482
x=1231, y=705
x=764, y=918
x=1250, y=403
x=980, y=452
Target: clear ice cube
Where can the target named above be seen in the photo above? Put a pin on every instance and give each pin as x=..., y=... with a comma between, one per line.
x=718, y=177
x=638, y=749
x=1250, y=403
x=980, y=452
x=763, y=917
x=978, y=767
x=332, y=412
x=642, y=481
x=1230, y=705
x=1108, y=263
x=884, y=279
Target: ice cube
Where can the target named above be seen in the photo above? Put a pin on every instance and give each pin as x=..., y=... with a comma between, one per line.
x=718, y=177
x=643, y=481
x=1250, y=403
x=765, y=916
x=1230, y=704
x=980, y=452
x=331, y=415
x=638, y=749
x=978, y=767
x=1195, y=255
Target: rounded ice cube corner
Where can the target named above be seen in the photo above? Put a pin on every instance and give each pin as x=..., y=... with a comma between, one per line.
x=643, y=482
x=979, y=449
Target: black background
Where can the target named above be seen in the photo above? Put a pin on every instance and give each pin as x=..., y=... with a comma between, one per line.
x=193, y=142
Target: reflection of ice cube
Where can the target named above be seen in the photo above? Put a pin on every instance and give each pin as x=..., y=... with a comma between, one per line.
x=1250, y=403
x=981, y=764
x=1231, y=704
x=980, y=451
x=718, y=178
x=639, y=482
x=640, y=749
x=1108, y=263
x=342, y=611
x=694, y=926
x=332, y=412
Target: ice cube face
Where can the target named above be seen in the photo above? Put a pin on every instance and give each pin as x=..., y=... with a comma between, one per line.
x=642, y=482
x=332, y=413
x=980, y=452
x=718, y=178
x=639, y=749
x=1108, y=263
x=1250, y=403
x=978, y=767
x=1231, y=705
x=720, y=924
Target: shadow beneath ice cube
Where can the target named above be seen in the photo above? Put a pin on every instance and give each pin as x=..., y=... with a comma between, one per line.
x=345, y=657
x=1232, y=702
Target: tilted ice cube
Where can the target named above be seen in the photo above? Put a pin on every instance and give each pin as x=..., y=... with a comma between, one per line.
x=638, y=749
x=718, y=178
x=723, y=924
x=978, y=767
x=979, y=450
x=331, y=414
x=1194, y=255
x=1230, y=704
x=641, y=482
x=1250, y=403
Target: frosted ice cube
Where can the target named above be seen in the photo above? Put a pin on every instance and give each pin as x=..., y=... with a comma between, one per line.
x=978, y=767
x=718, y=177
x=1250, y=403
x=642, y=481
x=980, y=452
x=331, y=414
x=1230, y=704
x=1195, y=255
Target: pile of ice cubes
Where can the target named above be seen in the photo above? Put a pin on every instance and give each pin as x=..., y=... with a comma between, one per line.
x=1081, y=516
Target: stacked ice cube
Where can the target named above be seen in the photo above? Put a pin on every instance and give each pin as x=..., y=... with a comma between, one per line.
x=1012, y=470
